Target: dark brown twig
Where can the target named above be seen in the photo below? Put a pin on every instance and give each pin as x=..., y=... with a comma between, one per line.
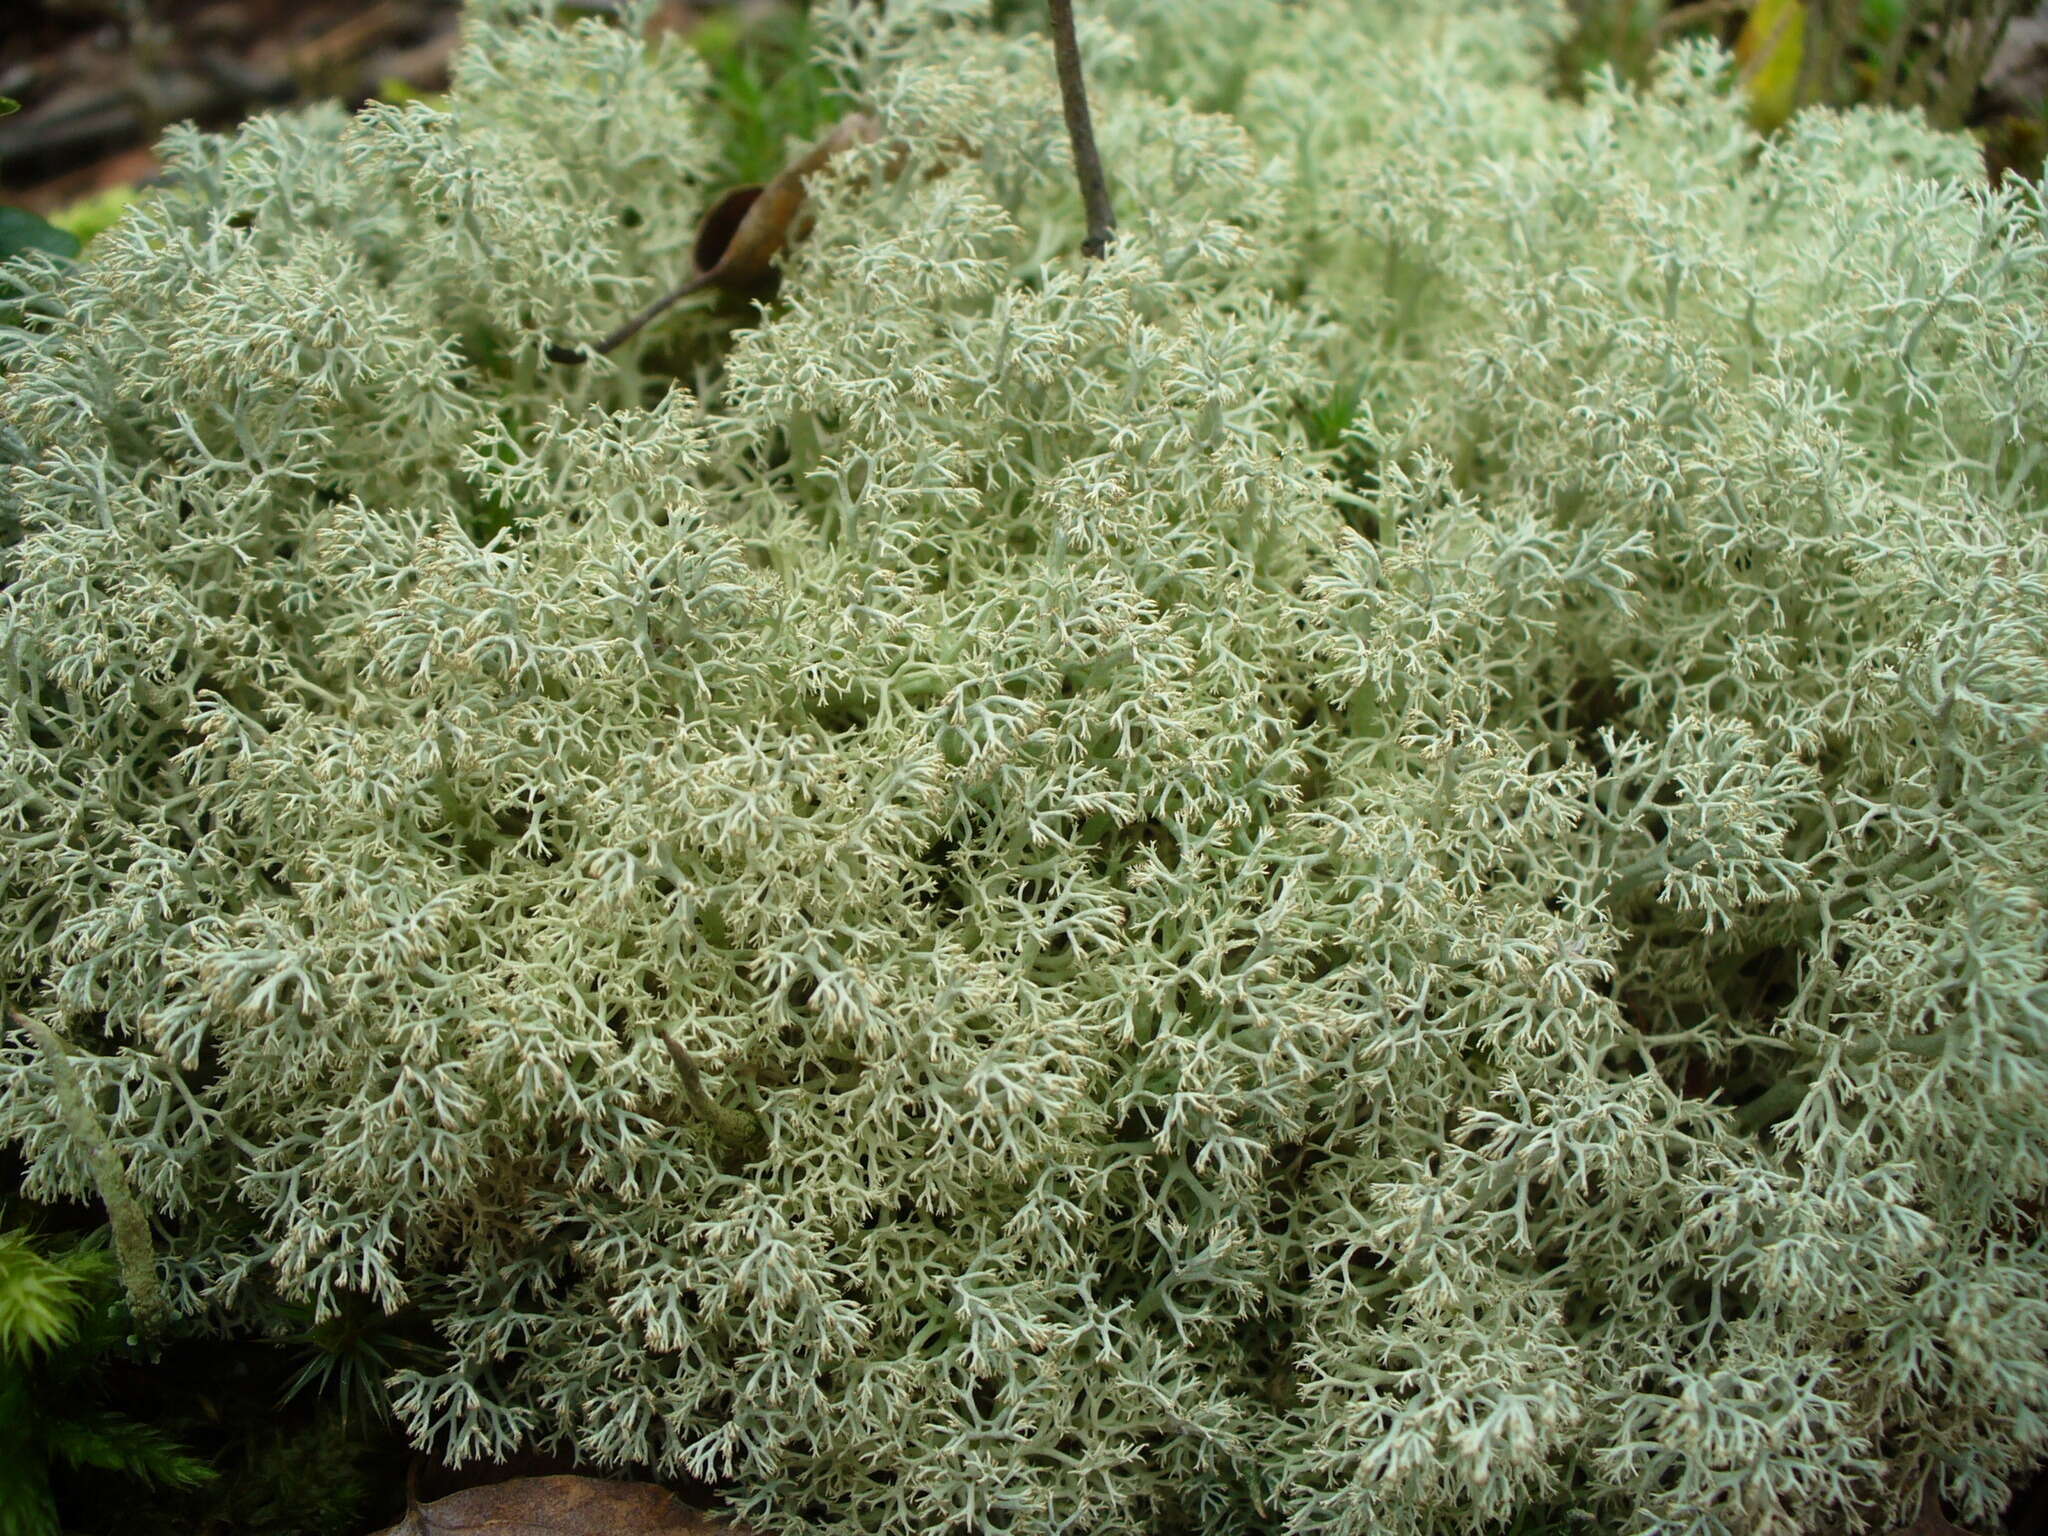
x=632, y=328
x=1081, y=130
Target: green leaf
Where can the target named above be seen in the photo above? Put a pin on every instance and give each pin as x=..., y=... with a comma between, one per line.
x=21, y=231
x=8, y=104
x=1883, y=18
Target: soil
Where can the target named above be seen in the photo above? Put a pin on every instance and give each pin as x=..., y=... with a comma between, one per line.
x=99, y=79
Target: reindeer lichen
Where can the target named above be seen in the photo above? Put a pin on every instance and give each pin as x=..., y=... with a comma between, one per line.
x=1373, y=865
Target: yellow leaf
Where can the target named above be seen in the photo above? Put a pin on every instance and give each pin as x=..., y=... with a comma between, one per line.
x=1769, y=51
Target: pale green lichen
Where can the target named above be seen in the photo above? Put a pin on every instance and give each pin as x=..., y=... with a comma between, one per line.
x=1484, y=954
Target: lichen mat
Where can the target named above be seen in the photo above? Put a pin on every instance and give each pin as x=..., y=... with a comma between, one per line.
x=1375, y=865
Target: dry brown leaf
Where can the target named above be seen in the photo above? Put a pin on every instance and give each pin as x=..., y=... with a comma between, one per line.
x=748, y=227
x=1932, y=1520
x=739, y=238
x=561, y=1506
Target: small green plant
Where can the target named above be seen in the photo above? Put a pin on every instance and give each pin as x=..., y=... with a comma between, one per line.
x=767, y=86
x=345, y=1358
x=26, y=235
x=309, y=1479
x=61, y=1322
x=89, y=216
x=22, y=231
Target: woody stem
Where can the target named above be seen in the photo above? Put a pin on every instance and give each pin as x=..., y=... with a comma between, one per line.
x=1081, y=130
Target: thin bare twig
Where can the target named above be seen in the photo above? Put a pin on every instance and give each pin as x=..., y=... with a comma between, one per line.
x=1081, y=130
x=632, y=328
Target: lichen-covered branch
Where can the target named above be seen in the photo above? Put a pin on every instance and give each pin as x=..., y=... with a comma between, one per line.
x=134, y=1251
x=735, y=1127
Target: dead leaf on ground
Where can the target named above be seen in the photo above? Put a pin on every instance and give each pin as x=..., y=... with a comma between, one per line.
x=1932, y=1520
x=561, y=1506
x=741, y=235
x=748, y=227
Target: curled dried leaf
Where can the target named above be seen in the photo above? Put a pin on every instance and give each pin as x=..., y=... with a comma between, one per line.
x=561, y=1506
x=768, y=218
x=743, y=233
x=720, y=224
